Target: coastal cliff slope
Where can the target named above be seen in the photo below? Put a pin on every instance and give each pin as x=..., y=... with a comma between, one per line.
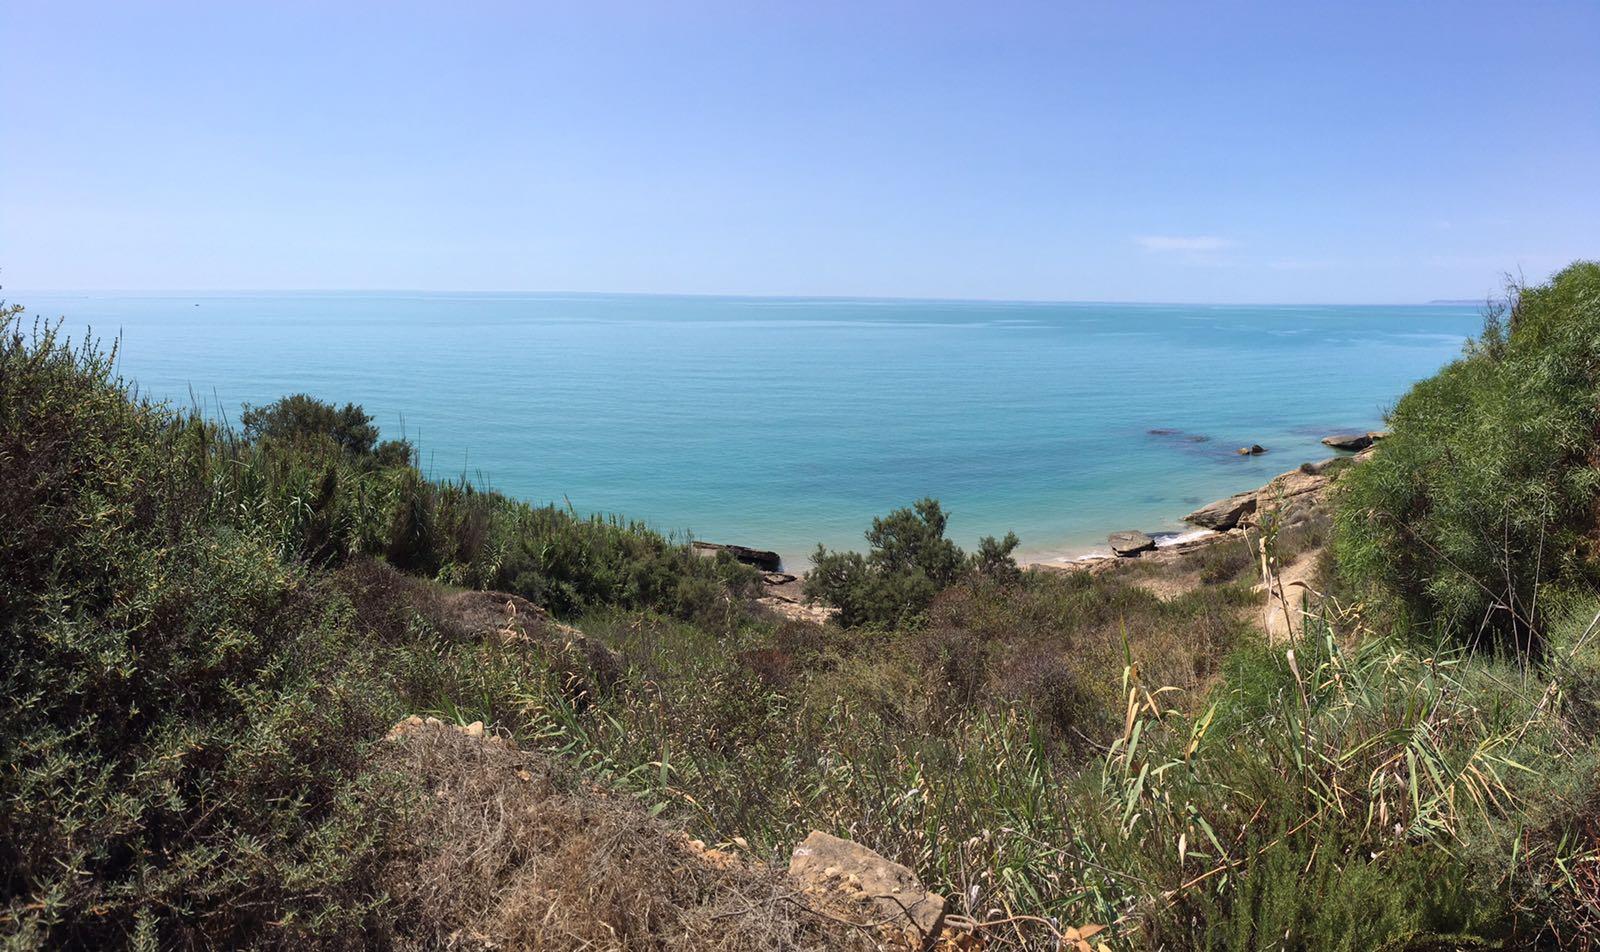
x=274, y=687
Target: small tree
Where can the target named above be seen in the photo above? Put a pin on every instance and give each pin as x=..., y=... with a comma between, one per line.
x=912, y=540
x=395, y=453
x=994, y=559
x=301, y=417
x=910, y=562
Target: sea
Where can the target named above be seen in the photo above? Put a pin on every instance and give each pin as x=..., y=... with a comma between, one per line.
x=781, y=423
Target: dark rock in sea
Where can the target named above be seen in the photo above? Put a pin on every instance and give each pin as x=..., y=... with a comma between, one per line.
x=1176, y=434
x=1254, y=449
x=760, y=558
x=1224, y=514
x=1130, y=543
x=1353, y=442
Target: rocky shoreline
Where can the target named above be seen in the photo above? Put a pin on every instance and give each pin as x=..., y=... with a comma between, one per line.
x=1289, y=499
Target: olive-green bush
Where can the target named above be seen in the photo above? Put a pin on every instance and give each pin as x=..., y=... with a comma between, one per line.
x=181, y=756
x=910, y=562
x=191, y=696
x=1479, y=511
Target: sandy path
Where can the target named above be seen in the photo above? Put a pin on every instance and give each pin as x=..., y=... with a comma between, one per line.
x=1293, y=585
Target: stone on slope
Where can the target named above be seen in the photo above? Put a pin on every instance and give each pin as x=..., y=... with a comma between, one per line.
x=1291, y=498
x=509, y=618
x=830, y=867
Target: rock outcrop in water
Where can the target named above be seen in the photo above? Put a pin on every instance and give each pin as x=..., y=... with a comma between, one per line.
x=1130, y=543
x=1171, y=433
x=1288, y=496
x=1224, y=514
x=1353, y=442
x=762, y=559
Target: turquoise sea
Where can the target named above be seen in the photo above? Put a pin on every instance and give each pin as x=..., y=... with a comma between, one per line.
x=779, y=423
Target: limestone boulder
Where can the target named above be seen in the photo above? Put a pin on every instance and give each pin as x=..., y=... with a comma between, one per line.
x=1224, y=514
x=1130, y=543
x=1291, y=498
x=853, y=875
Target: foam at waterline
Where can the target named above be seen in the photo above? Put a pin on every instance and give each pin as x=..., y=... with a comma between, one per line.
x=1163, y=539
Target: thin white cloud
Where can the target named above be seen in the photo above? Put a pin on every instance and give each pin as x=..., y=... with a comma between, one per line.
x=1191, y=244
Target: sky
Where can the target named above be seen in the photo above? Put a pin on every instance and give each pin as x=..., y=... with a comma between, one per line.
x=1200, y=152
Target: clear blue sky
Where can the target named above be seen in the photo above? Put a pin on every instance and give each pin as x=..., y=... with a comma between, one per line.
x=1274, y=151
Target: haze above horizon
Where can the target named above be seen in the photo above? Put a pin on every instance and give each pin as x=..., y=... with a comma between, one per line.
x=1244, y=153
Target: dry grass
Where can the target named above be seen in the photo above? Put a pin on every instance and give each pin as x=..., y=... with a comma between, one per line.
x=1081, y=629
x=507, y=852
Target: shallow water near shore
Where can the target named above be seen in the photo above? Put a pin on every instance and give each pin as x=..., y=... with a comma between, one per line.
x=779, y=423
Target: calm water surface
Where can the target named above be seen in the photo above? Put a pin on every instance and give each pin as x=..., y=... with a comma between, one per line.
x=780, y=423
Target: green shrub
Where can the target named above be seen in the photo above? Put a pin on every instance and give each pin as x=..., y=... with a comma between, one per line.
x=910, y=562
x=192, y=697
x=319, y=480
x=1322, y=893
x=182, y=755
x=324, y=504
x=1481, y=504
x=995, y=559
x=300, y=417
x=1334, y=797
x=414, y=545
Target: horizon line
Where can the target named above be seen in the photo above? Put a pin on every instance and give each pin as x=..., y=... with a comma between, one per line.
x=715, y=295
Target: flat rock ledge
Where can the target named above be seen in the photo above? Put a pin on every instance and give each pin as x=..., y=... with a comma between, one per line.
x=762, y=559
x=1224, y=514
x=1290, y=497
x=797, y=610
x=832, y=869
x=1353, y=442
x=784, y=595
x=1130, y=543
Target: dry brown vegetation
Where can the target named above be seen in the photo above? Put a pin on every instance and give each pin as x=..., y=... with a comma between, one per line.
x=505, y=850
